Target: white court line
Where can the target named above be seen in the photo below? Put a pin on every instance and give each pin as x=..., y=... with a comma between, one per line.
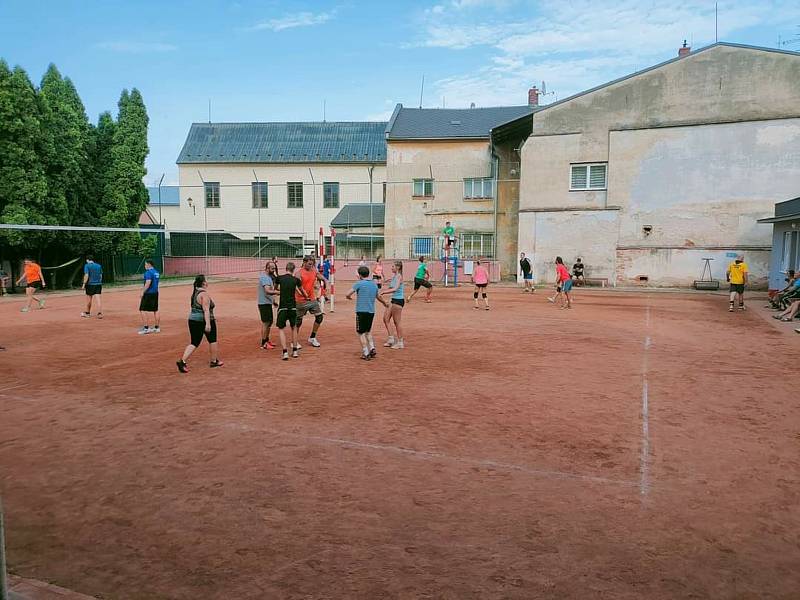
x=437, y=456
x=644, y=459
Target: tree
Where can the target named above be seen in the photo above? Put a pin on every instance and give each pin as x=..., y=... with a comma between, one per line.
x=64, y=146
x=23, y=185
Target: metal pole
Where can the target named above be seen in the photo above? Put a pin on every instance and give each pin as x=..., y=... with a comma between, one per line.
x=3, y=583
x=371, y=232
x=313, y=198
x=258, y=241
x=160, y=219
x=205, y=212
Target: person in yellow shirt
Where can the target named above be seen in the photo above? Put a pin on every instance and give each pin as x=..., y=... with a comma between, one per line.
x=737, y=276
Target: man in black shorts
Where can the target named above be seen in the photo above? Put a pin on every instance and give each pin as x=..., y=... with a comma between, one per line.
x=422, y=279
x=288, y=284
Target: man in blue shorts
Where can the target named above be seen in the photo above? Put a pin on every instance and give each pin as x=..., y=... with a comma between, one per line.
x=366, y=292
x=527, y=272
x=93, y=285
x=149, y=302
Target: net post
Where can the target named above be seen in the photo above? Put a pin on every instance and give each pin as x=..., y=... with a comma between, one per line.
x=333, y=268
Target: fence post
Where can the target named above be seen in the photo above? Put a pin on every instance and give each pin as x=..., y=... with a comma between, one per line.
x=3, y=582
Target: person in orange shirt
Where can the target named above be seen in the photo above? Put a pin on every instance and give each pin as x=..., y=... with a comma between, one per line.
x=308, y=303
x=34, y=280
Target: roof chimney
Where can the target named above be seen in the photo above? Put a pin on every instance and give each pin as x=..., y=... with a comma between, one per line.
x=684, y=50
x=533, y=96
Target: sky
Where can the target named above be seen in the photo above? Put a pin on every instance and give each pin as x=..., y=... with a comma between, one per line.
x=283, y=61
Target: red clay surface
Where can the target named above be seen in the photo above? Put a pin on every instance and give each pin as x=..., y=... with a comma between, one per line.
x=502, y=454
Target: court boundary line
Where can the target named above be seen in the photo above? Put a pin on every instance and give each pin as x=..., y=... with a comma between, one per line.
x=644, y=457
x=429, y=455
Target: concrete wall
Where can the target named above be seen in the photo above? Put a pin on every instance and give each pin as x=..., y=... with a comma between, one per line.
x=236, y=212
x=449, y=162
x=691, y=153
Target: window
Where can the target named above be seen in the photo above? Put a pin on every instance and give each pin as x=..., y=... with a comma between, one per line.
x=212, y=194
x=330, y=195
x=384, y=192
x=422, y=246
x=294, y=194
x=423, y=187
x=260, y=194
x=479, y=188
x=476, y=245
x=791, y=252
x=588, y=177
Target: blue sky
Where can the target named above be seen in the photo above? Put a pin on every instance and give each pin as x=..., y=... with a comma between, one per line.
x=272, y=61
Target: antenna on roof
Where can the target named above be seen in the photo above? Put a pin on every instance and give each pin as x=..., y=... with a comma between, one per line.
x=421, y=90
x=209, y=111
x=716, y=22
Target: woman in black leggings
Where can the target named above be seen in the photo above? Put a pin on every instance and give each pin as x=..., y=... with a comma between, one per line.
x=201, y=323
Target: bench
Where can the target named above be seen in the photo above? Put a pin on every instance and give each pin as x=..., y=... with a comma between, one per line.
x=601, y=281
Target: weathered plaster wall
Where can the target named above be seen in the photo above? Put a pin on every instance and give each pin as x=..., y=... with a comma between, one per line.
x=449, y=163
x=569, y=234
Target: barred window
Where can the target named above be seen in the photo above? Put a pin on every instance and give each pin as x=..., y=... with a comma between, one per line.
x=422, y=246
x=294, y=194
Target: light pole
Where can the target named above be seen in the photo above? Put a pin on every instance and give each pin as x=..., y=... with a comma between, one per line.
x=371, y=227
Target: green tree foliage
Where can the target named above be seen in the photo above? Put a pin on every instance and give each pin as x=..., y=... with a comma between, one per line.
x=23, y=185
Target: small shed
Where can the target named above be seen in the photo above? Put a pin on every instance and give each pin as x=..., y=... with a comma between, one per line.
x=785, y=241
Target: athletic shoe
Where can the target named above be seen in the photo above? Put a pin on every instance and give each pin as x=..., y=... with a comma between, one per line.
x=269, y=346
x=730, y=308
x=99, y=315
x=487, y=308
x=796, y=331
x=295, y=353
x=41, y=304
x=24, y=309
x=285, y=355
x=398, y=345
x=551, y=300
x=144, y=331
x=365, y=357
x=741, y=307
x=475, y=307
x=314, y=342
x=215, y=363
x=86, y=315
x=389, y=343
x=155, y=330
x=373, y=354
x=182, y=366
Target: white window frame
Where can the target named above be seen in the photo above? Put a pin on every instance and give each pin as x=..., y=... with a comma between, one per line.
x=333, y=188
x=424, y=182
x=484, y=239
x=588, y=171
x=486, y=188
x=291, y=184
x=259, y=185
x=215, y=190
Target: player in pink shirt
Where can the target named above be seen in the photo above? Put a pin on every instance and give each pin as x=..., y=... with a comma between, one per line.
x=563, y=284
x=480, y=277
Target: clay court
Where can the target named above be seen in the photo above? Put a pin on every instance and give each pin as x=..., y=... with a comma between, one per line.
x=641, y=445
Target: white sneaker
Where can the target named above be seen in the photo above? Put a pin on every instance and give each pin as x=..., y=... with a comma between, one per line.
x=551, y=300
x=144, y=331
x=398, y=345
x=314, y=342
x=86, y=315
x=155, y=330
x=389, y=343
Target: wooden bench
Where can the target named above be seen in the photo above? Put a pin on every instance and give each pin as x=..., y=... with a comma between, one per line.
x=601, y=281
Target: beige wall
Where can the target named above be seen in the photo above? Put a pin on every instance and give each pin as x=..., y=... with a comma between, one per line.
x=698, y=150
x=450, y=162
x=237, y=214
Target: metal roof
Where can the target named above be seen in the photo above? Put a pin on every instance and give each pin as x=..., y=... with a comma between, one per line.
x=170, y=195
x=358, y=215
x=449, y=123
x=310, y=142
x=788, y=210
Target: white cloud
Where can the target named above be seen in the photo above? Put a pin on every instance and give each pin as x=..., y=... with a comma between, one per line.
x=136, y=47
x=577, y=45
x=301, y=19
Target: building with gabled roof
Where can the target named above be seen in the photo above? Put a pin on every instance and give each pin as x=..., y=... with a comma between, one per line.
x=276, y=180
x=646, y=175
x=440, y=168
